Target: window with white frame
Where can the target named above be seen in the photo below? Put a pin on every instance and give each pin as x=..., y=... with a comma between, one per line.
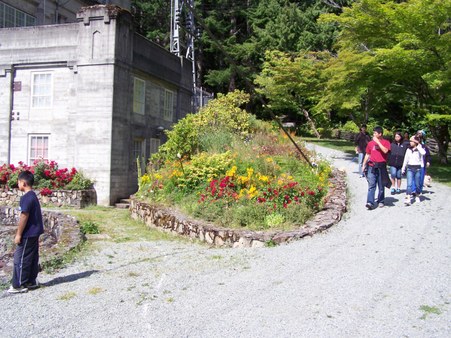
x=139, y=96
x=12, y=17
x=168, y=105
x=42, y=90
x=139, y=153
x=154, y=144
x=38, y=148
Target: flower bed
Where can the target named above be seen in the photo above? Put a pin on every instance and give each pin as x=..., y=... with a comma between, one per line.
x=224, y=166
x=54, y=186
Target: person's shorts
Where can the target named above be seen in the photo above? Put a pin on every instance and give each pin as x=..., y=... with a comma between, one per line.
x=395, y=172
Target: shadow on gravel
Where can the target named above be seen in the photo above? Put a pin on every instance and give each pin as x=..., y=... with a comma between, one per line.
x=69, y=278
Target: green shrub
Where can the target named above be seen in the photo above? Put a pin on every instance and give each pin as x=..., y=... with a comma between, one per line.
x=79, y=182
x=89, y=227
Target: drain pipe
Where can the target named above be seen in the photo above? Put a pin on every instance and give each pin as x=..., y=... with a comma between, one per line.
x=11, y=108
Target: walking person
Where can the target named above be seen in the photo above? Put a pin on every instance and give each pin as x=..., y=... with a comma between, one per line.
x=361, y=141
x=412, y=165
x=375, y=162
x=421, y=135
x=395, y=161
x=26, y=255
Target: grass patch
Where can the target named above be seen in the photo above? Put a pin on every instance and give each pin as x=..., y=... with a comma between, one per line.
x=67, y=296
x=118, y=225
x=427, y=310
x=95, y=291
x=440, y=172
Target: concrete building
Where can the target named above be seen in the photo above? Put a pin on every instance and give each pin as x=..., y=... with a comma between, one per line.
x=91, y=94
x=23, y=13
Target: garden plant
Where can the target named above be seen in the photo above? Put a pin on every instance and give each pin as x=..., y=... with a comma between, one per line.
x=48, y=177
x=225, y=166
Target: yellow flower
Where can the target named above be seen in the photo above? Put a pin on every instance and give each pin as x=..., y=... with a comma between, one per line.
x=269, y=160
x=145, y=179
x=231, y=172
x=252, y=192
x=250, y=171
x=158, y=176
x=279, y=182
x=263, y=178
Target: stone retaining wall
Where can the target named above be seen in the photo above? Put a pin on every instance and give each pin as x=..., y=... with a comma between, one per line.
x=61, y=234
x=58, y=198
x=171, y=221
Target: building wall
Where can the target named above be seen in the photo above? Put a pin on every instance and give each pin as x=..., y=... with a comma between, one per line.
x=90, y=123
x=49, y=12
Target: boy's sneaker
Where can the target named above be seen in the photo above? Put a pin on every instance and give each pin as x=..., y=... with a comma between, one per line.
x=33, y=286
x=369, y=206
x=381, y=205
x=21, y=289
x=398, y=191
x=392, y=191
x=407, y=200
x=417, y=199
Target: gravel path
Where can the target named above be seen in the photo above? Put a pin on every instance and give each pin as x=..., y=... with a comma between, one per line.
x=380, y=273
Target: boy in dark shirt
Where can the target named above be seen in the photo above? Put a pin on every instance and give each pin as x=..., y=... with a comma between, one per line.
x=26, y=255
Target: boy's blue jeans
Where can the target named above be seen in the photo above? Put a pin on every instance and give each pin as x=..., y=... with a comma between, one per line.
x=413, y=180
x=374, y=179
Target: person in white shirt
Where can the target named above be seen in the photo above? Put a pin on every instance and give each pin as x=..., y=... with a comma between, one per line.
x=412, y=165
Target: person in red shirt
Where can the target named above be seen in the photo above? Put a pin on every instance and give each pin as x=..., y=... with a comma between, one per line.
x=375, y=164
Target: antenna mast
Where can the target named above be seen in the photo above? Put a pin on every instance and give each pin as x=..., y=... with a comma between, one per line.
x=189, y=31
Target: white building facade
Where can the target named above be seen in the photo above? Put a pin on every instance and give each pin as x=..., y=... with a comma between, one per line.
x=91, y=94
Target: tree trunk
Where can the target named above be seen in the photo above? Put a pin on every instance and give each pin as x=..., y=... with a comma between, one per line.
x=441, y=134
x=311, y=122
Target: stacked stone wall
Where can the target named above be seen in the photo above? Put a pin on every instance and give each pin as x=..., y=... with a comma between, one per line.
x=61, y=234
x=58, y=198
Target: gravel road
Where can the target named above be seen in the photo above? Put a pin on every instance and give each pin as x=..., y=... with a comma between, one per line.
x=379, y=273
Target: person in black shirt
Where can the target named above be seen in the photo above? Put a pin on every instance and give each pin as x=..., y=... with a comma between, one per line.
x=395, y=161
x=361, y=140
x=26, y=255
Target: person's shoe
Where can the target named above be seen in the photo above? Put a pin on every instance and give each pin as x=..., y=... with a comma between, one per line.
x=361, y=176
x=20, y=289
x=381, y=205
x=417, y=199
x=33, y=286
x=398, y=191
x=407, y=200
x=392, y=191
x=369, y=206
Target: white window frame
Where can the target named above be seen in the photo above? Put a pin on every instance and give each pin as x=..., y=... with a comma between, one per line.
x=31, y=159
x=154, y=144
x=168, y=104
x=139, y=150
x=14, y=19
x=34, y=95
x=139, y=98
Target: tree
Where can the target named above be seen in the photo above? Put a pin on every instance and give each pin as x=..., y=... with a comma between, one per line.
x=393, y=52
x=293, y=82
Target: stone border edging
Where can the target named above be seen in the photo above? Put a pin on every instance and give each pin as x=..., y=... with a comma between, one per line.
x=172, y=221
x=61, y=234
x=59, y=198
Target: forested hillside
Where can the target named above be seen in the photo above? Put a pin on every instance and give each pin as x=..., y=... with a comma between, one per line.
x=323, y=63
